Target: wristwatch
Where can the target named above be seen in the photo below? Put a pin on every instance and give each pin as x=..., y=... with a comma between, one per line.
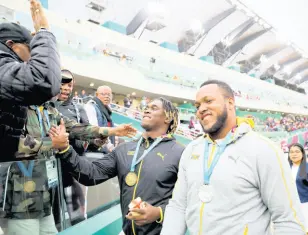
x=43, y=30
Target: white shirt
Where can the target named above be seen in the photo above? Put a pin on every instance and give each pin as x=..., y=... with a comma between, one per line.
x=294, y=171
x=91, y=113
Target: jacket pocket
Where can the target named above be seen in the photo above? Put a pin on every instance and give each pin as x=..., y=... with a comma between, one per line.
x=245, y=230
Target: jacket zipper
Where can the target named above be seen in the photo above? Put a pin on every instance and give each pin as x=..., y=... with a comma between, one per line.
x=246, y=230
x=134, y=194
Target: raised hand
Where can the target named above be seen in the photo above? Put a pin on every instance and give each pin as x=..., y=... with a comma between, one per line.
x=38, y=15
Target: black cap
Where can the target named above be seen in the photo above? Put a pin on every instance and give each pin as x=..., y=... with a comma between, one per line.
x=67, y=76
x=14, y=32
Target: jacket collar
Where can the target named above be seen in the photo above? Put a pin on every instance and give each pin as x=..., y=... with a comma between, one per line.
x=165, y=138
x=48, y=105
x=68, y=101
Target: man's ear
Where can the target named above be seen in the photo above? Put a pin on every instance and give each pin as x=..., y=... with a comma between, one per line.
x=168, y=120
x=231, y=103
x=9, y=43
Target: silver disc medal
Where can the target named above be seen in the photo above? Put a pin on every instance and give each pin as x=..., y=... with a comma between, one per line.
x=206, y=193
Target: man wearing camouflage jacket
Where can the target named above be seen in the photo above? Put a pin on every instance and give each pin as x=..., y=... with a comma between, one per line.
x=30, y=188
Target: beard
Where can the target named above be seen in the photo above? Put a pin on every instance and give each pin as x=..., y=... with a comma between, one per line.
x=219, y=124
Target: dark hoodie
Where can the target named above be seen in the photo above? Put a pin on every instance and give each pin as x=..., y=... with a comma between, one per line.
x=24, y=83
x=74, y=112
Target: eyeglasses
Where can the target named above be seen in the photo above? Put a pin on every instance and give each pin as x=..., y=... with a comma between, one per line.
x=105, y=94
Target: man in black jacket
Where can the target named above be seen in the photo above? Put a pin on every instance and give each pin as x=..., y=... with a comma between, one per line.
x=30, y=74
x=74, y=195
x=68, y=108
x=147, y=169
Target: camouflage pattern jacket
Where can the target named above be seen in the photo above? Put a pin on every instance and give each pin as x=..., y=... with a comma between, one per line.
x=37, y=204
x=32, y=144
x=22, y=205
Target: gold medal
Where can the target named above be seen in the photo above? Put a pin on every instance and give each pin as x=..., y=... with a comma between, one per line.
x=131, y=178
x=29, y=186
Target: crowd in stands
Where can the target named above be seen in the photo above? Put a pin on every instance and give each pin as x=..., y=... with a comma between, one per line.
x=288, y=123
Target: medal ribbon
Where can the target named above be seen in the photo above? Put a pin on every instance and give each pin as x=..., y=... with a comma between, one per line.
x=24, y=170
x=134, y=162
x=41, y=120
x=221, y=148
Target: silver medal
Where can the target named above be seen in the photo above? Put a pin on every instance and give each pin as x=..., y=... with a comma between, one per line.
x=206, y=193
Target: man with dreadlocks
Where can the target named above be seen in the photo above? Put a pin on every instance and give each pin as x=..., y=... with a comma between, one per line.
x=146, y=168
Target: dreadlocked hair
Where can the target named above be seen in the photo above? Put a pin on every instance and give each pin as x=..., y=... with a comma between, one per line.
x=172, y=113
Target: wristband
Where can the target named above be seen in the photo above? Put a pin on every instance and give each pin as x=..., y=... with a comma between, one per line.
x=104, y=131
x=65, y=150
x=161, y=216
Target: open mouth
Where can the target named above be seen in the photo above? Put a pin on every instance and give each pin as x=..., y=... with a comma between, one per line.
x=146, y=117
x=65, y=94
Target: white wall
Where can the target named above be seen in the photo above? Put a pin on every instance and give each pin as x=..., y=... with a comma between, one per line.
x=136, y=80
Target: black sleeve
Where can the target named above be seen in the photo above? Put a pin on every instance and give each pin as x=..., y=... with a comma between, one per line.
x=36, y=81
x=90, y=173
x=83, y=115
x=78, y=145
x=78, y=193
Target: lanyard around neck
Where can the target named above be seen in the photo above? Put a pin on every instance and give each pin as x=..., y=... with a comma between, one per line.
x=26, y=171
x=208, y=170
x=39, y=115
x=135, y=161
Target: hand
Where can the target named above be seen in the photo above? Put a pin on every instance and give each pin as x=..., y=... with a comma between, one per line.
x=124, y=130
x=145, y=215
x=59, y=137
x=38, y=15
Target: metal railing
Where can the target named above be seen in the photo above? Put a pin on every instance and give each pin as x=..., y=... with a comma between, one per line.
x=137, y=115
x=182, y=130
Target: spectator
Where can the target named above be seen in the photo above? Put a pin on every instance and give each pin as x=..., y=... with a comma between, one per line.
x=192, y=123
x=127, y=101
x=23, y=84
x=38, y=184
x=99, y=113
x=83, y=94
x=73, y=193
x=299, y=166
x=143, y=103
x=70, y=109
